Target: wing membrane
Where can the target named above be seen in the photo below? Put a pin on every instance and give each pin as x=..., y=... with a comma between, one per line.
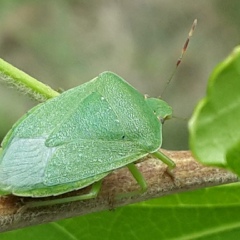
x=24, y=163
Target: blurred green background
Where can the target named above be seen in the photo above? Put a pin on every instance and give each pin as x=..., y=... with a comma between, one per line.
x=66, y=43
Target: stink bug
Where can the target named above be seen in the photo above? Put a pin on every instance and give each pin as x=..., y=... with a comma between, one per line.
x=79, y=137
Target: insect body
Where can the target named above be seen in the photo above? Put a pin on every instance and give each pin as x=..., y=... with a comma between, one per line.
x=79, y=137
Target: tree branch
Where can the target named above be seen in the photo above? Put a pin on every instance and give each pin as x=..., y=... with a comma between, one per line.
x=188, y=175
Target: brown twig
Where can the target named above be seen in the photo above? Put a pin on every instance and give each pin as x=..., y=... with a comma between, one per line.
x=188, y=175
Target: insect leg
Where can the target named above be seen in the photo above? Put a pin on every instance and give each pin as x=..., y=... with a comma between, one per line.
x=140, y=180
x=164, y=158
x=92, y=194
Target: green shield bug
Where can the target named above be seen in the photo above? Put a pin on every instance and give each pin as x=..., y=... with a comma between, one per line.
x=79, y=137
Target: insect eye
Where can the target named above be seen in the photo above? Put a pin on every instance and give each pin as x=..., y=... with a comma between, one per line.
x=123, y=137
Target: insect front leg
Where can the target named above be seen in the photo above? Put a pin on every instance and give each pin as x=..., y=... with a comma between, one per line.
x=165, y=159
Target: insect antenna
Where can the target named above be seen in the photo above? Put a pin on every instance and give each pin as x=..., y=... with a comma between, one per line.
x=182, y=54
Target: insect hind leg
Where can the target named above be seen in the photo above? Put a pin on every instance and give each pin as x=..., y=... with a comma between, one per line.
x=92, y=194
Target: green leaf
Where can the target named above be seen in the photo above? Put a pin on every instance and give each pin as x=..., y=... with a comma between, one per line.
x=232, y=157
x=211, y=213
x=214, y=126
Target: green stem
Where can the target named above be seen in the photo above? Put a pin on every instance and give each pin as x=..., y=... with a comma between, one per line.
x=25, y=83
